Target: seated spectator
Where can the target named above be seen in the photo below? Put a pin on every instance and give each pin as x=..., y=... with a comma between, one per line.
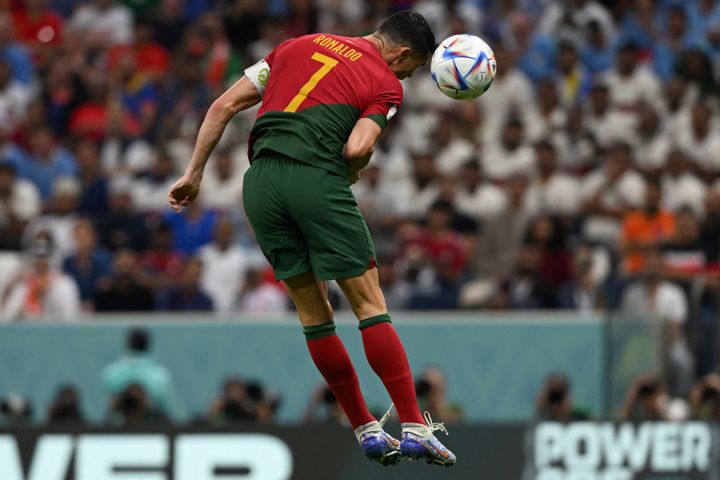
x=705, y=398
x=188, y=295
x=607, y=193
x=652, y=143
x=547, y=235
x=224, y=266
x=396, y=289
x=102, y=23
x=435, y=260
x=681, y=187
x=646, y=401
x=431, y=390
x=652, y=296
x=150, y=58
x=192, y=229
x=629, y=81
x=572, y=79
x=122, y=227
x=451, y=150
x=684, y=253
x=605, y=123
x=14, y=98
x=646, y=228
x=89, y=264
x=94, y=184
x=510, y=156
x=126, y=290
x=476, y=197
x=258, y=295
x=524, y=288
x=700, y=140
x=42, y=291
x=586, y=292
x=137, y=384
x=552, y=192
x=150, y=191
x=60, y=217
x=19, y=204
x=17, y=56
x=411, y=197
x=65, y=408
x=223, y=182
x=160, y=262
x=555, y=404
x=46, y=161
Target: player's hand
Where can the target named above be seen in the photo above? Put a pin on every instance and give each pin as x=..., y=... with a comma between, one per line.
x=184, y=192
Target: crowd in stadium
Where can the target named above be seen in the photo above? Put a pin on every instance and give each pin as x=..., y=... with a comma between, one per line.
x=588, y=177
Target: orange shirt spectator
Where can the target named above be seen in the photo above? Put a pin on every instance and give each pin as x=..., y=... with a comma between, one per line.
x=644, y=228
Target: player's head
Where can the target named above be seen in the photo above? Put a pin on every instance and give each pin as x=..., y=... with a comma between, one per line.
x=409, y=42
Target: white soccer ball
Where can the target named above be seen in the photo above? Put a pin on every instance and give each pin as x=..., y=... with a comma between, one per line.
x=463, y=67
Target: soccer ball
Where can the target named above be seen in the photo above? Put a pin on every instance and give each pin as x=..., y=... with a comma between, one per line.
x=463, y=67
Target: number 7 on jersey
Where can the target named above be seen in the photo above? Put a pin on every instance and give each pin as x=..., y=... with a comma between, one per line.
x=328, y=64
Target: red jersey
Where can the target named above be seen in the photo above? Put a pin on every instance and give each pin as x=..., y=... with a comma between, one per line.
x=318, y=87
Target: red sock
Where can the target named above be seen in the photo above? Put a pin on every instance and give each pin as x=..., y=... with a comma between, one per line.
x=334, y=363
x=387, y=357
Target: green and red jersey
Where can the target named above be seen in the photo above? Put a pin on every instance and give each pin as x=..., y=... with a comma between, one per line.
x=318, y=87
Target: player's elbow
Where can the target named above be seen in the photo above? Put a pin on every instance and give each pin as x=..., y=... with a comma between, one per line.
x=356, y=150
x=222, y=109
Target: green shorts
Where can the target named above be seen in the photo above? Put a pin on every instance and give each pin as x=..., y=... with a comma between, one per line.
x=306, y=218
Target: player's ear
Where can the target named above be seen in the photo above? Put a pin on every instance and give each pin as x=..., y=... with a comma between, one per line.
x=402, y=52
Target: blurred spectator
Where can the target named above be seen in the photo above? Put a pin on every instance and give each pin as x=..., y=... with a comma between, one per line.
x=243, y=402
x=435, y=260
x=510, y=156
x=41, y=291
x=646, y=228
x=102, y=23
x=681, y=188
x=13, y=53
x=14, y=98
x=132, y=407
x=646, y=401
x=160, y=262
x=192, y=228
x=604, y=122
x=431, y=390
x=608, y=192
x=524, y=288
x=684, y=253
x=586, y=291
x=477, y=197
x=224, y=266
x=324, y=408
x=169, y=23
x=60, y=217
x=396, y=289
x=122, y=226
x=705, y=398
x=652, y=144
x=126, y=290
x=258, y=295
x=701, y=141
x=15, y=410
x=94, y=184
x=19, y=204
x=630, y=82
x=89, y=264
x=150, y=191
x=554, y=402
x=653, y=296
x=188, y=295
x=222, y=183
x=573, y=80
x=552, y=192
x=547, y=235
x=139, y=386
x=46, y=161
x=65, y=408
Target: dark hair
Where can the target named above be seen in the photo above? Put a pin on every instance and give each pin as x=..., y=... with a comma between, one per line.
x=138, y=340
x=411, y=29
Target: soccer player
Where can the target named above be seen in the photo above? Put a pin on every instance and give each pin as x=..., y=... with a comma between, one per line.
x=325, y=101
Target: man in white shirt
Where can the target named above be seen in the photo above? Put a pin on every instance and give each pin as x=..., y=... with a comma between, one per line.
x=551, y=192
x=451, y=149
x=259, y=296
x=630, y=82
x=42, y=292
x=103, y=22
x=412, y=197
x=224, y=182
x=606, y=194
x=701, y=140
x=681, y=188
x=510, y=156
x=652, y=142
x=476, y=197
x=606, y=123
x=149, y=191
x=14, y=99
x=19, y=204
x=651, y=295
x=224, y=267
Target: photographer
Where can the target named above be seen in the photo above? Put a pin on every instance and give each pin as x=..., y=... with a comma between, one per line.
x=233, y=405
x=132, y=407
x=646, y=401
x=554, y=403
x=65, y=407
x=431, y=390
x=705, y=398
x=324, y=408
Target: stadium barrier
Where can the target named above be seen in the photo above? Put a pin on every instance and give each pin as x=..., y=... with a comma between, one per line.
x=494, y=363
x=547, y=451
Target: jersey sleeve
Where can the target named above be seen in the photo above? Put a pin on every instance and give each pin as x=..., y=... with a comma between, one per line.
x=259, y=73
x=385, y=103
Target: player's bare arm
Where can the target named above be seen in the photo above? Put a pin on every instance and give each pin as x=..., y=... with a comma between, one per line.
x=359, y=147
x=241, y=96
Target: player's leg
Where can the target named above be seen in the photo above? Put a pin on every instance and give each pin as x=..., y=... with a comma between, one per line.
x=333, y=362
x=387, y=357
